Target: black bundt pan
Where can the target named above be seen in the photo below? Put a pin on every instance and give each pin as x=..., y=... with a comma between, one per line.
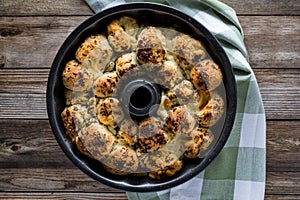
x=155, y=14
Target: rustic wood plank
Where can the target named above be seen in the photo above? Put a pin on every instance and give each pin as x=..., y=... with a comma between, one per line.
x=39, y=38
x=282, y=197
x=23, y=81
x=280, y=90
x=44, y=7
x=283, y=183
x=272, y=42
x=22, y=93
x=63, y=196
x=265, y=7
x=30, y=144
x=49, y=179
x=72, y=180
x=78, y=7
x=23, y=106
x=283, y=146
x=23, y=147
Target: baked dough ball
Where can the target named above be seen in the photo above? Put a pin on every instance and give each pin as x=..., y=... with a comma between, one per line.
x=74, y=117
x=188, y=51
x=109, y=112
x=171, y=99
x=95, y=53
x=193, y=146
x=81, y=147
x=126, y=63
x=122, y=159
x=206, y=75
x=73, y=97
x=189, y=104
x=121, y=33
x=161, y=164
x=169, y=75
x=207, y=140
x=128, y=132
x=151, y=135
x=180, y=121
x=97, y=140
x=151, y=47
x=75, y=77
x=184, y=92
x=164, y=106
x=105, y=85
x=212, y=111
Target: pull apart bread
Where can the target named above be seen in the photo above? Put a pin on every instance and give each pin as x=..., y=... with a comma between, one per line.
x=190, y=101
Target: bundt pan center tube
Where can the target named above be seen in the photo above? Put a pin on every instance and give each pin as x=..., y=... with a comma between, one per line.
x=140, y=97
x=205, y=75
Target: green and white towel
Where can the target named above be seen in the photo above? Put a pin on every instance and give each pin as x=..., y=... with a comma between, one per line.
x=238, y=172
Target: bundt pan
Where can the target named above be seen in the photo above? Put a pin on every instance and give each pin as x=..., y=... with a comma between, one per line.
x=158, y=15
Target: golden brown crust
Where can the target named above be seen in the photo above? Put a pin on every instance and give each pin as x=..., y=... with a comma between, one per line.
x=212, y=111
x=207, y=140
x=157, y=144
x=129, y=126
x=184, y=92
x=180, y=121
x=105, y=85
x=171, y=99
x=97, y=140
x=151, y=47
x=109, y=112
x=206, y=75
x=161, y=164
x=117, y=37
x=122, y=158
x=169, y=75
x=73, y=98
x=121, y=33
x=74, y=117
x=193, y=146
x=188, y=51
x=81, y=147
x=75, y=77
x=126, y=63
x=128, y=132
x=151, y=136
x=94, y=53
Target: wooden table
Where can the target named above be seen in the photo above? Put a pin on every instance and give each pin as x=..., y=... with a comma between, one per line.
x=32, y=165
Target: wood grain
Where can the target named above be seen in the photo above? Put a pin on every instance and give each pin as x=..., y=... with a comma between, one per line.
x=39, y=38
x=73, y=180
x=23, y=147
x=272, y=42
x=29, y=144
x=44, y=7
x=280, y=90
x=283, y=146
x=283, y=183
x=282, y=197
x=23, y=93
x=32, y=165
x=78, y=7
x=49, y=179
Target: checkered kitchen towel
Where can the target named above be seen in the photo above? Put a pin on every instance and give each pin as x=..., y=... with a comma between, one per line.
x=239, y=170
